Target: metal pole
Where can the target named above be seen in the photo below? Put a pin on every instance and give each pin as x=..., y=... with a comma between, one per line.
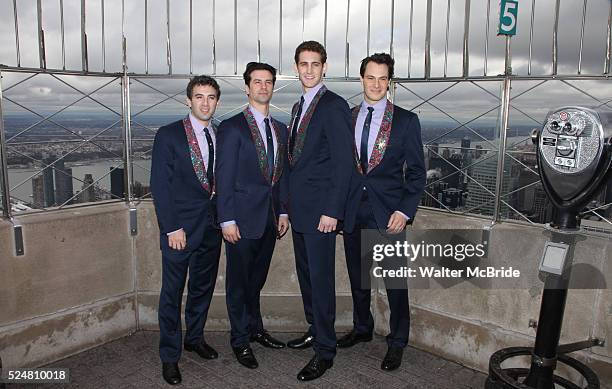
x=392, y=27
x=346, y=42
x=303, y=17
x=448, y=5
x=4, y=181
x=280, y=37
x=584, y=9
x=16, y=33
x=235, y=36
x=84, y=61
x=62, y=34
x=466, y=36
x=127, y=130
x=608, y=42
x=504, y=114
x=369, y=19
x=258, y=41
x=555, y=47
x=428, y=41
x=531, y=37
x=190, y=36
x=41, y=36
x=168, y=45
x=214, y=49
x=103, y=37
x=486, y=48
x=146, y=35
x=325, y=26
x=410, y=36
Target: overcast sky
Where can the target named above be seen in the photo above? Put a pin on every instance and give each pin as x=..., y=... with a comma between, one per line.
x=301, y=21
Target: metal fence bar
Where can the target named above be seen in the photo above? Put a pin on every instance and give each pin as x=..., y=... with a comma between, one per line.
x=280, y=37
x=191, y=34
x=41, y=35
x=410, y=36
x=346, y=41
x=325, y=26
x=466, y=38
x=448, y=7
x=103, y=36
x=258, y=41
x=486, y=47
x=84, y=57
x=214, y=49
x=16, y=33
x=584, y=9
x=533, y=4
x=608, y=42
x=146, y=35
x=168, y=41
x=369, y=27
x=125, y=99
x=428, y=40
x=392, y=27
x=555, y=47
x=4, y=184
x=303, y=17
x=235, y=36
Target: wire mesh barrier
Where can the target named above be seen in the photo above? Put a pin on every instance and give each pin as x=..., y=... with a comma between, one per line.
x=80, y=111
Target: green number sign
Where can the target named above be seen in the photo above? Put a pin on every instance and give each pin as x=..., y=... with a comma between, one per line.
x=508, y=15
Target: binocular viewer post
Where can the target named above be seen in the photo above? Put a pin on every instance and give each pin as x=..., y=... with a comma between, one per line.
x=574, y=155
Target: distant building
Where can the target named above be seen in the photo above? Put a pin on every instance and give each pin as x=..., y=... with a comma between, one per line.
x=88, y=193
x=117, y=187
x=63, y=183
x=38, y=191
x=48, y=187
x=481, y=189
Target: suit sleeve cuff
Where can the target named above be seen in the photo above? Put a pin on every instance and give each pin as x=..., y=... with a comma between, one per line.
x=284, y=215
x=170, y=233
x=403, y=214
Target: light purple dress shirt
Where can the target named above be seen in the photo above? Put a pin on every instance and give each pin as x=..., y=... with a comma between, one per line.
x=308, y=97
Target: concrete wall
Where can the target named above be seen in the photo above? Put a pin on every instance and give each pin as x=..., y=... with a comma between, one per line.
x=75, y=288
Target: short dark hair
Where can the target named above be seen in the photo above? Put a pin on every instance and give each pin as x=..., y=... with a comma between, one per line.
x=310, y=46
x=252, y=66
x=202, y=80
x=379, y=58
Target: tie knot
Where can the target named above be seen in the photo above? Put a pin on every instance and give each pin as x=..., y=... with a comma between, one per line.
x=370, y=109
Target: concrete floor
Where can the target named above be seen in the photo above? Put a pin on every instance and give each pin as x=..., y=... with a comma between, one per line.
x=133, y=362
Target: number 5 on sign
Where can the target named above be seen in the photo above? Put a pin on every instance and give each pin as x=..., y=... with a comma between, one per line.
x=508, y=14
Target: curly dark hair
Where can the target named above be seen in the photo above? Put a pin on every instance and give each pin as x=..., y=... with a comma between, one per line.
x=379, y=58
x=202, y=80
x=252, y=66
x=310, y=46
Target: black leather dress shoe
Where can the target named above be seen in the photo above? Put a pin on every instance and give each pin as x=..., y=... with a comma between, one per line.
x=203, y=350
x=171, y=373
x=314, y=369
x=266, y=340
x=245, y=357
x=352, y=338
x=393, y=358
x=303, y=341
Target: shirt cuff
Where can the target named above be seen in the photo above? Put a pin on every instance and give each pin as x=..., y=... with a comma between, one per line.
x=228, y=223
x=283, y=215
x=403, y=214
x=170, y=233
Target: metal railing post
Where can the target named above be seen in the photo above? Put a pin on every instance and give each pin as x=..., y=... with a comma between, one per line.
x=503, y=127
x=127, y=131
x=6, y=202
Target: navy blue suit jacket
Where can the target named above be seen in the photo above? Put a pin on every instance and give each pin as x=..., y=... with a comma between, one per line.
x=320, y=177
x=179, y=198
x=389, y=187
x=243, y=192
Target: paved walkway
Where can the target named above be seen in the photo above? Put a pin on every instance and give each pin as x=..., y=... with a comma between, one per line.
x=133, y=362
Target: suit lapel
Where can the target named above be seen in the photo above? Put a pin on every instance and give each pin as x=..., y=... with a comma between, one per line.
x=195, y=154
x=280, y=151
x=382, y=139
x=354, y=115
x=262, y=158
x=303, y=126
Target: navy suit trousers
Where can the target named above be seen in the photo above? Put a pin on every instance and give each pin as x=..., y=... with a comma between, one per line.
x=248, y=262
x=363, y=323
x=315, y=263
x=202, y=264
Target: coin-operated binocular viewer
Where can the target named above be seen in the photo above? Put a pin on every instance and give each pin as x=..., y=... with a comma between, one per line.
x=574, y=155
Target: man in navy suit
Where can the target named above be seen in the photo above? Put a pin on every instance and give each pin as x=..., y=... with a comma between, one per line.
x=320, y=155
x=182, y=184
x=388, y=180
x=252, y=188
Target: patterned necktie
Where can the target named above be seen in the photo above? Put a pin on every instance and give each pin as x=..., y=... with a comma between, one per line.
x=365, y=134
x=270, y=150
x=211, y=158
x=296, y=123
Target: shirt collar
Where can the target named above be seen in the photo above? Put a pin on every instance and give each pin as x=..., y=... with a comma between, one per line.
x=378, y=107
x=196, y=124
x=308, y=96
x=259, y=117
